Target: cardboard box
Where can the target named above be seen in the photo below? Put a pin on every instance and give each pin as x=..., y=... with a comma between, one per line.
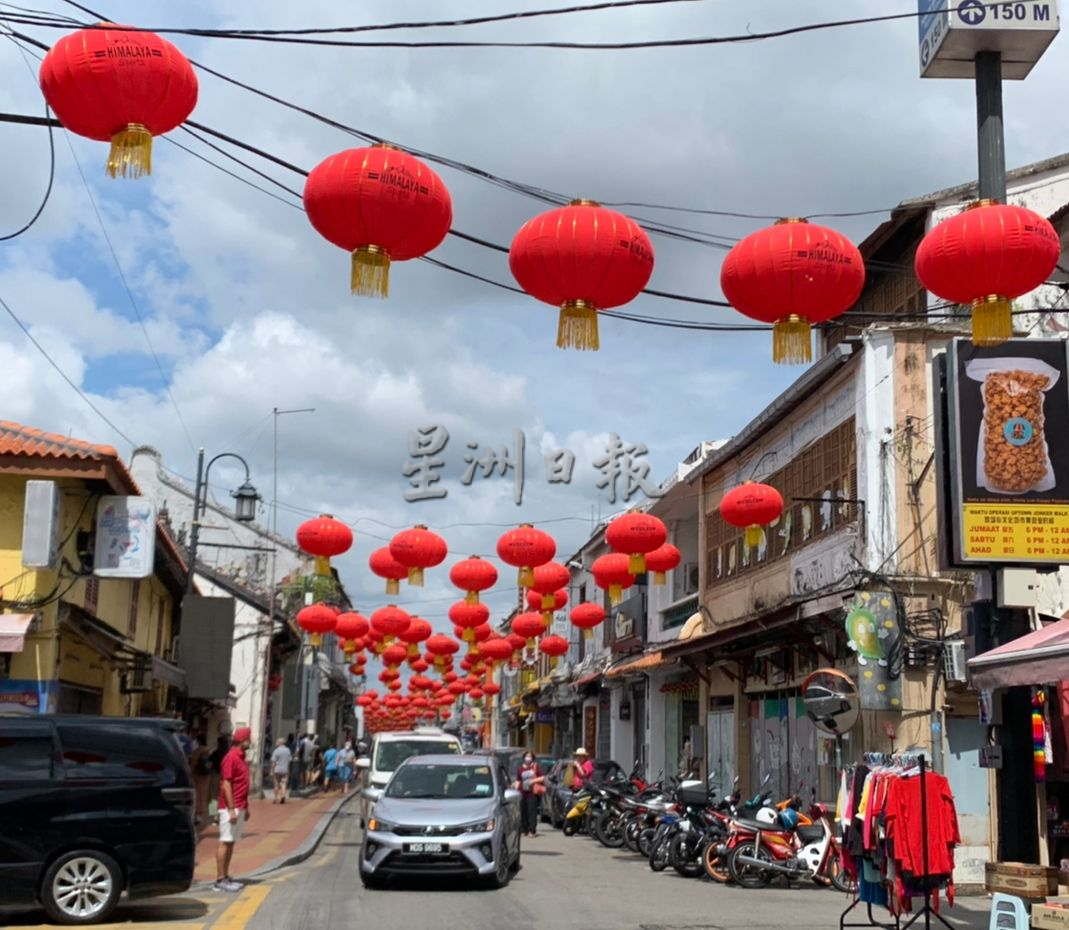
x=1032, y=882
x=1050, y=916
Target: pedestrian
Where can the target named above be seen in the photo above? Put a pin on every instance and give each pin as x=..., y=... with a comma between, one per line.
x=307, y=757
x=280, y=771
x=222, y=746
x=330, y=767
x=530, y=782
x=584, y=769
x=346, y=766
x=233, y=806
x=200, y=764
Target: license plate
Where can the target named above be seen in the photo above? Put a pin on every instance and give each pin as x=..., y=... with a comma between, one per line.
x=433, y=848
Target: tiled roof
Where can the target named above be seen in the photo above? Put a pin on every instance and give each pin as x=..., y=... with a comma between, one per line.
x=16, y=439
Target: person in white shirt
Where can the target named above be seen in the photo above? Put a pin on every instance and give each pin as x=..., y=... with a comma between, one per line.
x=280, y=770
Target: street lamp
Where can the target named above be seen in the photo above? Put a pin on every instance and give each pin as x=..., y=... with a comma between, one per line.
x=245, y=509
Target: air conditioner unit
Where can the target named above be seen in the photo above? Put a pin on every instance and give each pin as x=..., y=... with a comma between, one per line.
x=138, y=678
x=954, y=660
x=690, y=577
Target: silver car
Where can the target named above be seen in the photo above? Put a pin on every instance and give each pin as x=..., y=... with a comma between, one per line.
x=443, y=815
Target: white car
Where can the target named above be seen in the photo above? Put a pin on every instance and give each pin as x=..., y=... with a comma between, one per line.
x=389, y=750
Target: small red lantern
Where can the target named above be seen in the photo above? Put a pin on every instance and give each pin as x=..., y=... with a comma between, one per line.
x=526, y=548
x=496, y=649
x=587, y=616
x=324, y=537
x=473, y=575
x=365, y=700
x=394, y=655
x=491, y=688
x=581, y=258
x=390, y=622
x=445, y=713
x=417, y=549
x=419, y=665
x=554, y=647
x=386, y=566
x=529, y=626
x=458, y=687
x=356, y=669
x=415, y=633
x=315, y=620
x=350, y=627
x=751, y=506
x=476, y=694
x=636, y=533
x=547, y=579
x=517, y=642
x=468, y=617
x=663, y=559
x=793, y=274
x=442, y=647
x=119, y=85
x=535, y=601
x=611, y=573
x=380, y=204
x=984, y=257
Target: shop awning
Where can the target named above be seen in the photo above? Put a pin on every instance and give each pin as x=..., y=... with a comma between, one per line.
x=1037, y=658
x=643, y=663
x=13, y=629
x=166, y=672
x=587, y=678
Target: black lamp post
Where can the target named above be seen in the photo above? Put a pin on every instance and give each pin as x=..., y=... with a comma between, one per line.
x=244, y=510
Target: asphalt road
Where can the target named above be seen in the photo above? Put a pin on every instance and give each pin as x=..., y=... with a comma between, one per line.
x=563, y=884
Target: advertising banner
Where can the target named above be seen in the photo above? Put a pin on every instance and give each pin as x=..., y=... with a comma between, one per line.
x=126, y=537
x=1009, y=463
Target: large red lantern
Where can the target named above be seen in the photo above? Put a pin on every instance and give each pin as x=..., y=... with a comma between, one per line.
x=380, y=204
x=587, y=616
x=582, y=258
x=349, y=628
x=751, y=506
x=792, y=275
x=119, y=85
x=468, y=617
x=417, y=549
x=984, y=257
x=663, y=559
x=390, y=622
x=386, y=566
x=415, y=633
x=529, y=626
x=547, y=579
x=473, y=575
x=324, y=537
x=536, y=600
x=526, y=548
x=635, y=534
x=554, y=647
x=611, y=574
x=315, y=620
x=496, y=649
x=442, y=647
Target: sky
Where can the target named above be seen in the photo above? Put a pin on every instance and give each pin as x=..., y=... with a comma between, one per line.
x=186, y=306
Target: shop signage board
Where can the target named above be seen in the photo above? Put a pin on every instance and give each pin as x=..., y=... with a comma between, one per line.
x=125, y=537
x=1008, y=411
x=953, y=32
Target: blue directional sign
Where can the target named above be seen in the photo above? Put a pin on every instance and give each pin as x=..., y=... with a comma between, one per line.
x=929, y=10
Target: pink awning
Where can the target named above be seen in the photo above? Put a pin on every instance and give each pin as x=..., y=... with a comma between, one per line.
x=1037, y=658
x=13, y=631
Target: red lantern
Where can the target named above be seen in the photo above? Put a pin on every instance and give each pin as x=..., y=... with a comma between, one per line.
x=526, y=548
x=419, y=665
x=119, y=85
x=751, y=506
x=547, y=579
x=476, y=694
x=986, y=256
x=356, y=669
x=529, y=626
x=663, y=559
x=611, y=573
x=535, y=600
x=417, y=549
x=394, y=685
x=365, y=700
x=386, y=566
x=468, y=617
x=554, y=647
x=380, y=204
x=793, y=274
x=415, y=633
x=472, y=576
x=444, y=713
x=394, y=655
x=390, y=622
x=349, y=628
x=458, y=687
x=491, y=688
x=315, y=620
x=636, y=533
x=496, y=649
x=442, y=647
x=581, y=258
x=587, y=616
x=324, y=537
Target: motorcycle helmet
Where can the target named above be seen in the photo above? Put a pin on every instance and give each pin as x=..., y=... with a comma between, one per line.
x=788, y=817
x=766, y=816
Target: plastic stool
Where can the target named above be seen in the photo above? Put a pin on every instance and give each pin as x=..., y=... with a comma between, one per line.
x=1008, y=913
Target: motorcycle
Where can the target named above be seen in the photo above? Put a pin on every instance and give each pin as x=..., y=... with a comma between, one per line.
x=735, y=825
x=705, y=823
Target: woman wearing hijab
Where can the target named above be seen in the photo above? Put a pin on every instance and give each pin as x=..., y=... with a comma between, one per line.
x=530, y=783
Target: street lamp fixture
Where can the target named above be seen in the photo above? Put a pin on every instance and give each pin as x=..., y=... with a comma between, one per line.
x=246, y=497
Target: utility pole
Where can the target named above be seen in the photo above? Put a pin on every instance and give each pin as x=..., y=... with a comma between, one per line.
x=990, y=136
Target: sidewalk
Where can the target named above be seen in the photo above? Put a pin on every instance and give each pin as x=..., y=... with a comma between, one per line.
x=273, y=834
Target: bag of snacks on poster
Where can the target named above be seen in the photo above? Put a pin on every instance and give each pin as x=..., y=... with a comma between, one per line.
x=1012, y=456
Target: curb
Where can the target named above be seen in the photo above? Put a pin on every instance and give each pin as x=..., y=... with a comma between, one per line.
x=309, y=846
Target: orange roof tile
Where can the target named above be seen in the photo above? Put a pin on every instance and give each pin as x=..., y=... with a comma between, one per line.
x=16, y=439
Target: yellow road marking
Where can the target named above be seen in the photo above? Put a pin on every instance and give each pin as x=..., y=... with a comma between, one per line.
x=237, y=916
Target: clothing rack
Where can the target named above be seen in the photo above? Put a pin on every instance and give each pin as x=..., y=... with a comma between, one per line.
x=904, y=761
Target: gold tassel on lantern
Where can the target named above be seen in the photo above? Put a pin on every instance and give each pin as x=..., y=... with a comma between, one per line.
x=472, y=597
x=659, y=578
x=314, y=639
x=753, y=536
x=992, y=321
x=415, y=577
x=393, y=586
x=131, y=152
x=616, y=592
x=371, y=272
x=636, y=563
x=588, y=633
x=322, y=565
x=468, y=635
x=791, y=342
x=577, y=326
x=526, y=577
x=549, y=601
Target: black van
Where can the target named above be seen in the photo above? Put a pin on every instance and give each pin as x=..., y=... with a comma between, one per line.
x=89, y=807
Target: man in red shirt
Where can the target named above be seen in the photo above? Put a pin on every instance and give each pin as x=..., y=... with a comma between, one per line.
x=233, y=806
